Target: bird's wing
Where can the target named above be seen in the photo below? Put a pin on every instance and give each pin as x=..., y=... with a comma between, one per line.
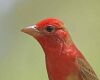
x=86, y=70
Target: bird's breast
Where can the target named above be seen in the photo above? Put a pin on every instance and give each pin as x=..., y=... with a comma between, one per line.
x=61, y=68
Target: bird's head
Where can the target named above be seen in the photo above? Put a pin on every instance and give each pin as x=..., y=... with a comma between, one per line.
x=47, y=28
x=47, y=32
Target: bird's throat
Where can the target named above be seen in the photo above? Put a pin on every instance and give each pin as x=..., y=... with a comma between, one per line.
x=52, y=46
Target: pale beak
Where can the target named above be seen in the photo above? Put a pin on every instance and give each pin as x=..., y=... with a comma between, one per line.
x=31, y=30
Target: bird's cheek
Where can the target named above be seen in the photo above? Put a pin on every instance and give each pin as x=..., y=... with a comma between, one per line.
x=62, y=34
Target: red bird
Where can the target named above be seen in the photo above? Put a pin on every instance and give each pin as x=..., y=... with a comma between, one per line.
x=63, y=60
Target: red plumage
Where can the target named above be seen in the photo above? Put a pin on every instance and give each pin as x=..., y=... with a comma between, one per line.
x=63, y=60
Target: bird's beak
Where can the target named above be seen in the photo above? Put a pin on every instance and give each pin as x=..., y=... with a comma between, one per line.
x=31, y=30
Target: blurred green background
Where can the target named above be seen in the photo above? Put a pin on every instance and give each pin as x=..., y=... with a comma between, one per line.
x=21, y=56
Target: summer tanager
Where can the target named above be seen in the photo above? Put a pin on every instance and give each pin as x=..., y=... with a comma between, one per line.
x=63, y=60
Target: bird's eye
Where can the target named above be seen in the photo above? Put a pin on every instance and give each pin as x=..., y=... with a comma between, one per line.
x=49, y=28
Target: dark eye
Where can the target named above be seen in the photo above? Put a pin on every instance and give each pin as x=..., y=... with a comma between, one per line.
x=49, y=28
